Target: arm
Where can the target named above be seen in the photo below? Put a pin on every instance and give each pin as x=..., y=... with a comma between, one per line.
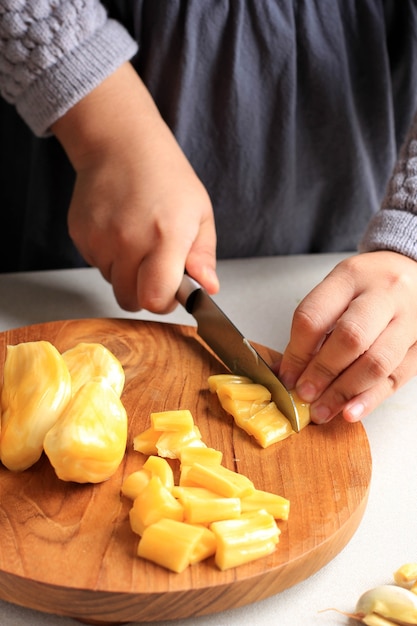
x=353, y=338
x=138, y=212
x=53, y=55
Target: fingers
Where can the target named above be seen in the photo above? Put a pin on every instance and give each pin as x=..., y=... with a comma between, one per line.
x=363, y=404
x=201, y=258
x=353, y=338
x=379, y=368
x=151, y=281
x=158, y=278
x=314, y=319
x=142, y=246
x=358, y=328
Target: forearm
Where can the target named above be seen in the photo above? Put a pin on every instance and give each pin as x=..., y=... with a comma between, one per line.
x=394, y=227
x=51, y=59
x=118, y=114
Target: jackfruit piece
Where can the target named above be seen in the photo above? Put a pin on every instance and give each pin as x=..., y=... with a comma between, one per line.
x=36, y=389
x=88, y=441
x=86, y=361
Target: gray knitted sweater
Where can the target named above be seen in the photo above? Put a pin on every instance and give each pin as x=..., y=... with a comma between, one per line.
x=294, y=163
x=53, y=52
x=394, y=226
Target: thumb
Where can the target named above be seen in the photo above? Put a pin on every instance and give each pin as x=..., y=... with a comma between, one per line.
x=201, y=259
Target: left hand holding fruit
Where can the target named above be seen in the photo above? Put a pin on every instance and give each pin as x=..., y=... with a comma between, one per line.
x=353, y=338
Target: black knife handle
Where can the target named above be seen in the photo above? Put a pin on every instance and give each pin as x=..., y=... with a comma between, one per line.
x=187, y=292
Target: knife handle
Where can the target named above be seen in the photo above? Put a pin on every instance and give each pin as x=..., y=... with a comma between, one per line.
x=187, y=292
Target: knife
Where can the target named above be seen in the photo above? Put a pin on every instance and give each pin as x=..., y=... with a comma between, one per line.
x=232, y=348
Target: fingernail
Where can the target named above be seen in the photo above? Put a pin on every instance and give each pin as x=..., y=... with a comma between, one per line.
x=320, y=414
x=307, y=391
x=356, y=411
x=211, y=277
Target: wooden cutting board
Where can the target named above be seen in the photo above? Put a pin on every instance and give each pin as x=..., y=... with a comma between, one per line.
x=68, y=548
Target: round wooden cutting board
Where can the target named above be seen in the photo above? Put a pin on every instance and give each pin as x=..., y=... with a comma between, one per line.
x=68, y=548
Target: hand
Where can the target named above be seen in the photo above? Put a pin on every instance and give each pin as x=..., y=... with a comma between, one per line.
x=138, y=212
x=353, y=338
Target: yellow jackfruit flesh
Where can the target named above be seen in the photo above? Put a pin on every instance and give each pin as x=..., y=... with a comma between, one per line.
x=36, y=388
x=212, y=511
x=93, y=360
x=252, y=409
x=88, y=441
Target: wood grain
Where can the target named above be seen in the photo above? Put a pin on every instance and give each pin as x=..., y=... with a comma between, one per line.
x=68, y=549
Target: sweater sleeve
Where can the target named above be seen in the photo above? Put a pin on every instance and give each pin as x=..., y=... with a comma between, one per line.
x=394, y=227
x=54, y=52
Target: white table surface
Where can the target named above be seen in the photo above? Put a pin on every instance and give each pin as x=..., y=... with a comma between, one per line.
x=260, y=296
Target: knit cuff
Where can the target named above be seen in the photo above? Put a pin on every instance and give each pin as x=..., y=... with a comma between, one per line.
x=65, y=83
x=391, y=229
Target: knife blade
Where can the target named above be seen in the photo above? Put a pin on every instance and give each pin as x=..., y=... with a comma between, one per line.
x=232, y=348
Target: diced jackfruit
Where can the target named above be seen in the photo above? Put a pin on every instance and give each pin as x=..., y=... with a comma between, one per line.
x=135, y=482
x=176, y=545
x=201, y=454
x=157, y=466
x=216, y=380
x=272, y=503
x=249, y=537
x=268, y=425
x=153, y=503
x=175, y=421
x=219, y=479
x=202, y=506
x=252, y=409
